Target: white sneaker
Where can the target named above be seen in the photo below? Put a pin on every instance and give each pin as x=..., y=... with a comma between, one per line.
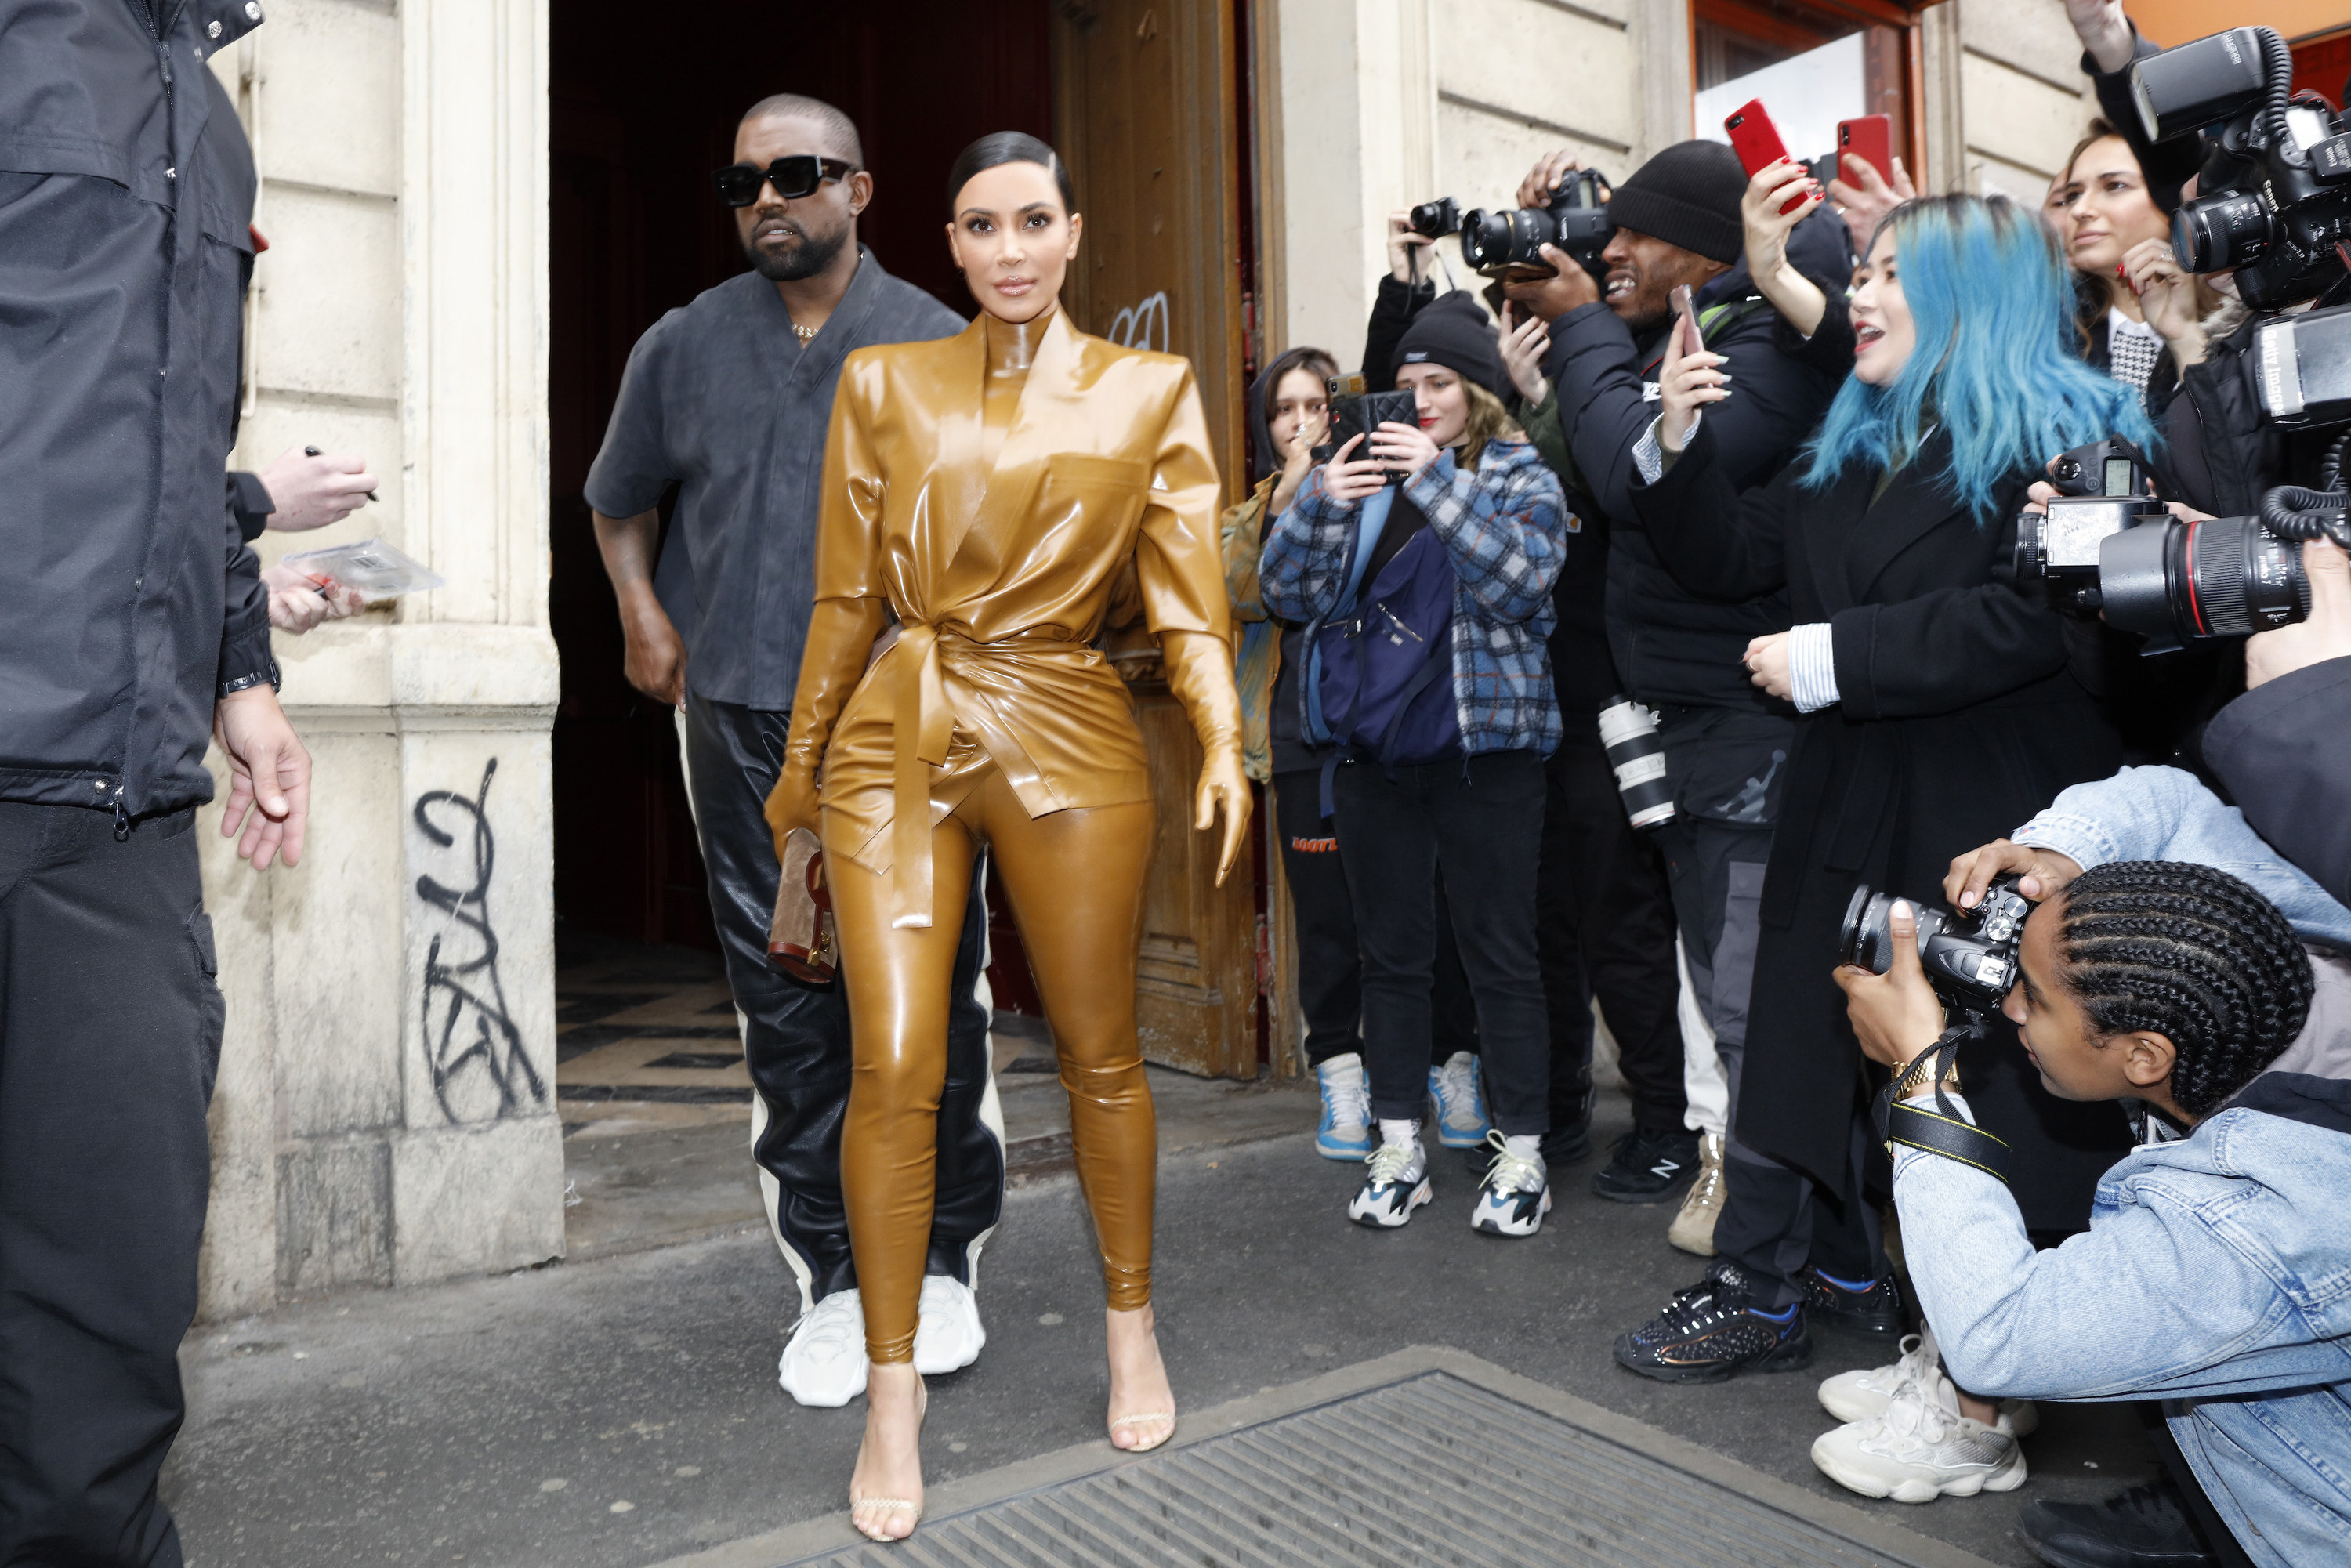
x=824, y=1362
x=1863, y=1396
x=1921, y=1448
x=1396, y=1185
x=1515, y=1194
x=947, y=1335
x=1459, y=1096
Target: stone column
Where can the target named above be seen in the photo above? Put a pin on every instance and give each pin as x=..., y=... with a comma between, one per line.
x=386, y=1112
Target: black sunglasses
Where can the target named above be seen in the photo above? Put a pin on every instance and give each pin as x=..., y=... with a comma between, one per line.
x=738, y=184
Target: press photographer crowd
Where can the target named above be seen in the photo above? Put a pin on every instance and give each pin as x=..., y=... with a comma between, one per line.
x=1892, y=652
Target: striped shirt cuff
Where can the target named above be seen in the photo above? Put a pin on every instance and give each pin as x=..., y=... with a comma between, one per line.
x=1649, y=454
x=1812, y=666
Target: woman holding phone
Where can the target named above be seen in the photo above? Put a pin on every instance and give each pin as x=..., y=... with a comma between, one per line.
x=1937, y=702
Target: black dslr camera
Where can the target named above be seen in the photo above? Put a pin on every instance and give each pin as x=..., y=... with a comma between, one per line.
x=1507, y=243
x=2101, y=490
x=1970, y=959
x=1435, y=219
x=2274, y=196
x=2108, y=547
x=1355, y=409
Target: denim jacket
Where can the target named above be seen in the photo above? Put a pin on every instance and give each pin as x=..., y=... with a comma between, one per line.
x=1504, y=524
x=2215, y=1275
x=2164, y=814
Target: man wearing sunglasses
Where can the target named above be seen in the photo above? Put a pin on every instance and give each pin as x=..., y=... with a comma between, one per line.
x=729, y=399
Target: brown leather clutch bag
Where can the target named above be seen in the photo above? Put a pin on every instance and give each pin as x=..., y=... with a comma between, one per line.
x=801, y=940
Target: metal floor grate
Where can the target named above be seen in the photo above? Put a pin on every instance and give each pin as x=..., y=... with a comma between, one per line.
x=1456, y=1475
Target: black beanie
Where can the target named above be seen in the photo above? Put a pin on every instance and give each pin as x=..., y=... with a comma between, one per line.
x=1687, y=195
x=1455, y=331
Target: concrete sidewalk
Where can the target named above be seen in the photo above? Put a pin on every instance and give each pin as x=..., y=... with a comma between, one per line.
x=619, y=1412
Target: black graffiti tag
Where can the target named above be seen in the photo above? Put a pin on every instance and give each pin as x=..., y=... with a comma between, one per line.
x=460, y=994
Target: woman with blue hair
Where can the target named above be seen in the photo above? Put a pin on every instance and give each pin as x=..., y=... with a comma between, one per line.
x=1938, y=699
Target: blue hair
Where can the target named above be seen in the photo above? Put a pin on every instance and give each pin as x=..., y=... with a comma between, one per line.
x=1994, y=316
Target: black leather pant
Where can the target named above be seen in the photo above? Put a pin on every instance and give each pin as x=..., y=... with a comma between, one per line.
x=796, y=1036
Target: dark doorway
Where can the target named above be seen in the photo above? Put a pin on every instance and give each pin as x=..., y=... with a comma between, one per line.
x=643, y=108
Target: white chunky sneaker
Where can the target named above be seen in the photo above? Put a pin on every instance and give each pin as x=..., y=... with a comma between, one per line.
x=1345, y=1132
x=1515, y=1194
x=1396, y=1185
x=1921, y=1448
x=1693, y=1228
x=1861, y=1395
x=1459, y=1096
x=824, y=1360
x=947, y=1335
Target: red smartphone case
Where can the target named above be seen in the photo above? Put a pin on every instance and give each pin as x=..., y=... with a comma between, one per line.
x=1757, y=141
x=1754, y=137
x=1870, y=138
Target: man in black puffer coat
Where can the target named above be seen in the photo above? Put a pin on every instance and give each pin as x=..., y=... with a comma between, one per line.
x=1678, y=222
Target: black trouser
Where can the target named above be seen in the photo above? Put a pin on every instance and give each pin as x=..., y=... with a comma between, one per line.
x=1481, y=821
x=109, y=1034
x=796, y=1036
x=1605, y=927
x=1330, y=969
x=1776, y=1221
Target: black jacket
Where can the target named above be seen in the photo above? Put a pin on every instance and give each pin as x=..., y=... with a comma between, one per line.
x=130, y=602
x=1959, y=718
x=2283, y=750
x=2220, y=451
x=1673, y=646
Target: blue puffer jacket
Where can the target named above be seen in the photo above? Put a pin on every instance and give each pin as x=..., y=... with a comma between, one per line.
x=1504, y=526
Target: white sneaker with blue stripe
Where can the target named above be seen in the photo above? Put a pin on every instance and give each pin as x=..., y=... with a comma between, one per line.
x=1458, y=1093
x=1395, y=1184
x=1515, y=1194
x=1346, y=1130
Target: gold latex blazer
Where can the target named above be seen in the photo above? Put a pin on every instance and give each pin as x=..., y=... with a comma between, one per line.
x=998, y=577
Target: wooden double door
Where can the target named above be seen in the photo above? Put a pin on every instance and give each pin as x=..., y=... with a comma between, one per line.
x=1145, y=111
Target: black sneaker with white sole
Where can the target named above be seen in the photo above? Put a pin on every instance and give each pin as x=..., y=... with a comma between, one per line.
x=1395, y=1183
x=1870, y=1307
x=1649, y=1164
x=1713, y=1331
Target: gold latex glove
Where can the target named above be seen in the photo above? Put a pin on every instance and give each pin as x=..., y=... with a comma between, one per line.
x=839, y=642
x=1200, y=673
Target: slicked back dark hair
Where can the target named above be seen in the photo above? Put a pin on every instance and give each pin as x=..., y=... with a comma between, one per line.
x=1008, y=147
x=841, y=136
x=2192, y=954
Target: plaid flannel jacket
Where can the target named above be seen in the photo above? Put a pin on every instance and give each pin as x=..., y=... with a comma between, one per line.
x=1505, y=527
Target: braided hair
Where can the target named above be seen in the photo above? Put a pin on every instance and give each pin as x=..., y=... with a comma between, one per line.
x=2194, y=954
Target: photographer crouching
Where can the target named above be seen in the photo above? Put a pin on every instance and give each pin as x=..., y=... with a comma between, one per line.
x=1675, y=222
x=2211, y=1276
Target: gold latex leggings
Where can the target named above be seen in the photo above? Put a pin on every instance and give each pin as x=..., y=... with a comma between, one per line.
x=1075, y=882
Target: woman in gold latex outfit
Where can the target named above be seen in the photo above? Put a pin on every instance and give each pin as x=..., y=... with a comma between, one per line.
x=988, y=493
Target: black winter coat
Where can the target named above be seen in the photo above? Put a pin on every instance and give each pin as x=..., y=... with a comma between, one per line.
x=129, y=602
x=2283, y=750
x=1959, y=718
x=1672, y=647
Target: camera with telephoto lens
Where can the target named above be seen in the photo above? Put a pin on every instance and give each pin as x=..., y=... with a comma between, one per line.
x=2273, y=195
x=1435, y=219
x=1970, y=959
x=1356, y=409
x=1507, y=243
x=2102, y=490
x=1636, y=754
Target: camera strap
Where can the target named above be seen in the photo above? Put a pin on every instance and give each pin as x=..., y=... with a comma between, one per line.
x=1938, y=1130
